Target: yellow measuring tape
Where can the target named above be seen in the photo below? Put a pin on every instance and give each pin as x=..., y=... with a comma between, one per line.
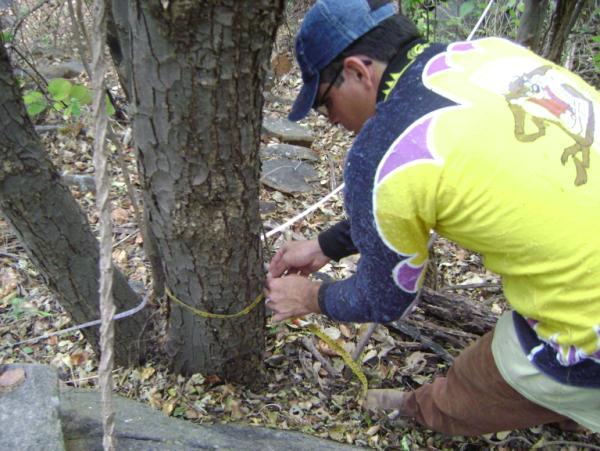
x=204, y=314
x=354, y=366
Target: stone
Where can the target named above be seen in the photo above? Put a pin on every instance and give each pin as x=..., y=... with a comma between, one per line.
x=287, y=131
x=66, y=69
x=267, y=207
x=139, y=427
x=29, y=410
x=288, y=151
x=288, y=176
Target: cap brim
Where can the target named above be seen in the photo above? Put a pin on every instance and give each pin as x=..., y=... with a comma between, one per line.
x=305, y=100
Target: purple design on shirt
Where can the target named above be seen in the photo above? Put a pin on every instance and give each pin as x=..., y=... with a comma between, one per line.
x=408, y=276
x=437, y=64
x=532, y=322
x=572, y=358
x=412, y=146
x=461, y=47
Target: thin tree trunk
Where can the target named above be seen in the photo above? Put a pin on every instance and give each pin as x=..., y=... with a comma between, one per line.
x=532, y=22
x=562, y=21
x=118, y=41
x=51, y=225
x=196, y=75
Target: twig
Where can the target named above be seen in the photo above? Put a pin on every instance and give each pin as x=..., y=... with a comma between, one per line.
x=78, y=38
x=7, y=255
x=364, y=339
x=472, y=286
x=508, y=440
x=118, y=243
x=309, y=345
x=30, y=64
x=568, y=443
x=24, y=16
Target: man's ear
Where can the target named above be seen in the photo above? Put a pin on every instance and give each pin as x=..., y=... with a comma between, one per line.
x=361, y=68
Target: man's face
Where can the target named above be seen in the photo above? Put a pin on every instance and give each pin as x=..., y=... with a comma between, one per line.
x=351, y=100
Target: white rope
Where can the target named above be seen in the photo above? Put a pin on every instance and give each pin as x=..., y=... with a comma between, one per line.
x=485, y=11
x=299, y=216
x=121, y=315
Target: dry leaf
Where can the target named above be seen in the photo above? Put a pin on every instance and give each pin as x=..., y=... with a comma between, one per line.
x=373, y=430
x=78, y=358
x=415, y=362
x=11, y=378
x=120, y=216
x=147, y=373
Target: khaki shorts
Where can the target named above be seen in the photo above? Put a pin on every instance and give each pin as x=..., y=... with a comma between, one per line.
x=580, y=404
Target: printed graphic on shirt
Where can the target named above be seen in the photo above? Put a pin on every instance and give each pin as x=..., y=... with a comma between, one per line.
x=516, y=114
x=546, y=98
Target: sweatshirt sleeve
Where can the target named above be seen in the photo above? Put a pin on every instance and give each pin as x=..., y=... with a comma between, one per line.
x=336, y=242
x=391, y=212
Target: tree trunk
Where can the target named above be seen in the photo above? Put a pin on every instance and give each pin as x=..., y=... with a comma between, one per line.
x=532, y=22
x=53, y=228
x=117, y=40
x=196, y=75
x=562, y=21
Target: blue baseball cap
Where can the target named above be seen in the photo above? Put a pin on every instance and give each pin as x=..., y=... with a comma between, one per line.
x=328, y=28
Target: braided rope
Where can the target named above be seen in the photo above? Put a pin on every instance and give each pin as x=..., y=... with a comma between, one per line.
x=107, y=307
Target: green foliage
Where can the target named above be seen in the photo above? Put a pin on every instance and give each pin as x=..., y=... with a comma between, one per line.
x=18, y=309
x=466, y=8
x=596, y=39
x=63, y=96
x=35, y=102
x=6, y=36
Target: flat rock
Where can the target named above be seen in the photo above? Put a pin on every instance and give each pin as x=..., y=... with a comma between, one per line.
x=288, y=176
x=29, y=408
x=139, y=427
x=288, y=151
x=267, y=207
x=66, y=69
x=287, y=131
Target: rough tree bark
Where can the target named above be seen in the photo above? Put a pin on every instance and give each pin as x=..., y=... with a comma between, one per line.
x=196, y=71
x=115, y=40
x=561, y=23
x=52, y=227
x=532, y=21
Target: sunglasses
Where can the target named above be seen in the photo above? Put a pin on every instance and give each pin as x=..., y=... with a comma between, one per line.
x=321, y=103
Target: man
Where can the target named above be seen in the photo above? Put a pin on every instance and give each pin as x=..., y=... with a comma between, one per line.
x=494, y=148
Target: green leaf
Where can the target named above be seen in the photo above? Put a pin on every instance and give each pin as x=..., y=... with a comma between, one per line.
x=179, y=411
x=110, y=109
x=82, y=94
x=466, y=8
x=35, y=102
x=6, y=36
x=27, y=350
x=75, y=107
x=60, y=89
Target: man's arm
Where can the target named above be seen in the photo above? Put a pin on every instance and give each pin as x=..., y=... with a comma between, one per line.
x=306, y=257
x=336, y=242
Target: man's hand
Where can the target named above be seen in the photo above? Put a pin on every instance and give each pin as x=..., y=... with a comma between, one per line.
x=292, y=296
x=304, y=257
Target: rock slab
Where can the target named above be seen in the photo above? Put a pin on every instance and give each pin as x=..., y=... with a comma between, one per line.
x=287, y=131
x=29, y=411
x=288, y=176
x=139, y=427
